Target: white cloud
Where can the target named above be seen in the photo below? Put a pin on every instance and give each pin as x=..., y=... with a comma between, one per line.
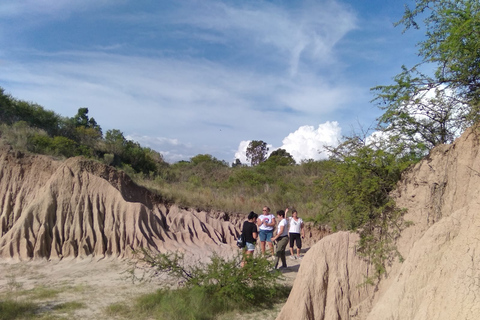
x=309, y=143
x=307, y=32
x=241, y=153
x=303, y=144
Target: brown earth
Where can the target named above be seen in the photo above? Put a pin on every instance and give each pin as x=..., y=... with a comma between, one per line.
x=440, y=275
x=97, y=284
x=80, y=208
x=72, y=226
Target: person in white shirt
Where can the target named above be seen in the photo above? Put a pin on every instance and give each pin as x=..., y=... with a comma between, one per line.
x=296, y=232
x=282, y=239
x=266, y=223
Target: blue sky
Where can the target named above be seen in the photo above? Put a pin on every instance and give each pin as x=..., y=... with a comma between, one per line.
x=206, y=77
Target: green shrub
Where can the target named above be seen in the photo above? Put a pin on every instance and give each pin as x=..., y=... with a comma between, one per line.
x=16, y=310
x=108, y=158
x=209, y=289
x=357, y=196
x=39, y=143
x=64, y=146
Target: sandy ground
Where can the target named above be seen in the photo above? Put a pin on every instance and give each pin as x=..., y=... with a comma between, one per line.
x=95, y=283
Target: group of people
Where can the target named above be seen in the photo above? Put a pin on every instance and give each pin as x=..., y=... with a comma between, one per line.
x=289, y=230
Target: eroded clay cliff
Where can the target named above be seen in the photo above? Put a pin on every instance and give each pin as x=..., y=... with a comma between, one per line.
x=440, y=276
x=76, y=208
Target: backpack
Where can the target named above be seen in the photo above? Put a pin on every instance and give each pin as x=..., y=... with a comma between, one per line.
x=241, y=243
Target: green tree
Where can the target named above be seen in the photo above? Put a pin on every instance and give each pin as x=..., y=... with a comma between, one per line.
x=81, y=128
x=6, y=107
x=13, y=110
x=65, y=147
x=237, y=163
x=81, y=119
x=356, y=194
x=115, y=141
x=433, y=109
x=138, y=157
x=256, y=152
x=206, y=158
x=280, y=157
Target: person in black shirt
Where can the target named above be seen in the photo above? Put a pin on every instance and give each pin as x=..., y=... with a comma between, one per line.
x=250, y=233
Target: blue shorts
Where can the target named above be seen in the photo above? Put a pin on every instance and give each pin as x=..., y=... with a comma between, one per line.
x=266, y=235
x=250, y=246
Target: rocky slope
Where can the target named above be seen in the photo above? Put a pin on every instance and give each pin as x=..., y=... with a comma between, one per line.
x=440, y=276
x=77, y=208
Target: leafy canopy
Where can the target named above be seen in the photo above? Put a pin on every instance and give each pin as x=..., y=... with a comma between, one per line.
x=423, y=109
x=280, y=157
x=257, y=152
x=357, y=194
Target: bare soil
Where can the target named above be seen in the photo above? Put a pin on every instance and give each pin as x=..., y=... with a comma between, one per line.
x=95, y=284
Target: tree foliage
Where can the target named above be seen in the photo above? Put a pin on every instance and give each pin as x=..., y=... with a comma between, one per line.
x=280, y=157
x=358, y=187
x=357, y=194
x=13, y=110
x=237, y=163
x=431, y=109
x=223, y=279
x=42, y=131
x=257, y=152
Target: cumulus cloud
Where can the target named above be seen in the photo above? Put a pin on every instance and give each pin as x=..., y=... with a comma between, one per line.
x=309, y=143
x=241, y=153
x=303, y=144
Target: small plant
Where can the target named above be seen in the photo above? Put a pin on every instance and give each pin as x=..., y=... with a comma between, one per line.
x=208, y=289
x=10, y=310
x=42, y=293
x=13, y=286
x=69, y=306
x=117, y=309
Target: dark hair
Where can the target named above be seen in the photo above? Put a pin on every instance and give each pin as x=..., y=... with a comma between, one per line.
x=252, y=215
x=281, y=213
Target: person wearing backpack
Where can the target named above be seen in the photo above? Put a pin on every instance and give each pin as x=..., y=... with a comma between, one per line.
x=250, y=234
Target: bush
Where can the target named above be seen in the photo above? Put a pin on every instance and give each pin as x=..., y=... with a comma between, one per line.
x=357, y=191
x=212, y=288
x=64, y=146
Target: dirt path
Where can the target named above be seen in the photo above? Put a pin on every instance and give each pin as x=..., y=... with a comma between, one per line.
x=94, y=284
